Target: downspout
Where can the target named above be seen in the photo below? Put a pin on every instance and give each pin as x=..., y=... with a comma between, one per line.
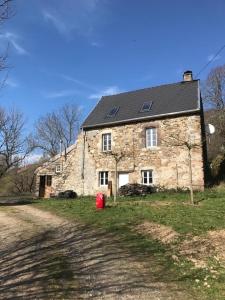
x=83, y=159
x=133, y=150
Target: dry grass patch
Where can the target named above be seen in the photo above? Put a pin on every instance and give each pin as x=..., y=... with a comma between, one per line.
x=217, y=238
x=161, y=203
x=162, y=233
x=197, y=249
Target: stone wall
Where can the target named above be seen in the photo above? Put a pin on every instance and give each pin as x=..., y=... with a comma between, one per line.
x=169, y=160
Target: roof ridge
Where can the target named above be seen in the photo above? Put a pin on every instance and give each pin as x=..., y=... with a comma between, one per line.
x=149, y=88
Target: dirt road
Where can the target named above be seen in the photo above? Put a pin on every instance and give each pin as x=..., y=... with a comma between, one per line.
x=43, y=256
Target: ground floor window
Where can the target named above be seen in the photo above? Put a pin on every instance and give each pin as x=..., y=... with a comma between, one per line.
x=103, y=178
x=147, y=177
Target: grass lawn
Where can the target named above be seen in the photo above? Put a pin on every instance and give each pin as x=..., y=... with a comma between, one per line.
x=170, y=209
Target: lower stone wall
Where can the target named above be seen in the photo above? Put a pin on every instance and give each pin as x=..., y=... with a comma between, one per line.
x=168, y=161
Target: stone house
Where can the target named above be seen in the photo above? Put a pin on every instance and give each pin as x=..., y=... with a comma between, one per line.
x=133, y=137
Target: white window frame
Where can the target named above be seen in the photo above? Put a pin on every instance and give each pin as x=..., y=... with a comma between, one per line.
x=103, y=178
x=106, y=142
x=151, y=137
x=148, y=175
x=58, y=168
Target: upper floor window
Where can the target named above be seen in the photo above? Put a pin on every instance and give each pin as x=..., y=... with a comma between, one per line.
x=106, y=142
x=103, y=178
x=146, y=177
x=151, y=137
x=58, y=168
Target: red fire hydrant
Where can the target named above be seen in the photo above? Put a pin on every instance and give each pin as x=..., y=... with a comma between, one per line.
x=100, y=201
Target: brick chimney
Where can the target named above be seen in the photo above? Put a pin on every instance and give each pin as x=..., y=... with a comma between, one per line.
x=187, y=76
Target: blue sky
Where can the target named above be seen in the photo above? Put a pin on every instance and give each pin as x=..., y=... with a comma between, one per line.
x=77, y=50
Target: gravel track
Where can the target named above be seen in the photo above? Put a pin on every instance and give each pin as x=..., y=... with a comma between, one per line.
x=43, y=256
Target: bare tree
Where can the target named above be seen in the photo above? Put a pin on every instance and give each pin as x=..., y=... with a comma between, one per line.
x=57, y=128
x=188, y=143
x=14, y=147
x=214, y=94
x=117, y=156
x=5, y=13
x=23, y=179
x=5, y=10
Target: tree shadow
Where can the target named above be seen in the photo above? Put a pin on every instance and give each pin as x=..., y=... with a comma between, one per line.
x=15, y=202
x=76, y=262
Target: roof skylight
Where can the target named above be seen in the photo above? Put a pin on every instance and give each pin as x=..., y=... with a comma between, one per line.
x=112, y=113
x=146, y=106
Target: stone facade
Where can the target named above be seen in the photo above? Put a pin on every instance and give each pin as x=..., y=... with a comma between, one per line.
x=168, y=161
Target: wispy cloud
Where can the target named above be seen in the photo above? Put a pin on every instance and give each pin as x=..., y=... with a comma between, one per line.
x=81, y=16
x=96, y=44
x=61, y=93
x=12, y=83
x=111, y=90
x=211, y=56
x=14, y=40
x=56, y=21
x=78, y=82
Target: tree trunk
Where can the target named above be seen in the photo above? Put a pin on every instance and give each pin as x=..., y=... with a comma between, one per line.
x=115, y=192
x=177, y=177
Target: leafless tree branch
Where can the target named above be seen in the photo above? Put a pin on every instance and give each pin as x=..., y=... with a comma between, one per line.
x=5, y=13
x=13, y=146
x=189, y=143
x=58, y=127
x=5, y=10
x=214, y=90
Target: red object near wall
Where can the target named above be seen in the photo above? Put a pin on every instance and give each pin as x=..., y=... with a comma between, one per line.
x=100, y=201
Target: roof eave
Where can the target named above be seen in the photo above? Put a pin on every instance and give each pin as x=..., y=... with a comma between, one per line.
x=142, y=118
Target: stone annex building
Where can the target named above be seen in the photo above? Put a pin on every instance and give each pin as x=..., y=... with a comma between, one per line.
x=138, y=137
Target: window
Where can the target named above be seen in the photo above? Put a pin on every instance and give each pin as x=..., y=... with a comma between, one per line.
x=151, y=137
x=103, y=178
x=106, y=142
x=146, y=106
x=49, y=180
x=113, y=112
x=58, y=168
x=146, y=177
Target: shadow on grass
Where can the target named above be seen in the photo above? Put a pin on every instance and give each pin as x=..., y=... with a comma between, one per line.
x=80, y=263
x=14, y=202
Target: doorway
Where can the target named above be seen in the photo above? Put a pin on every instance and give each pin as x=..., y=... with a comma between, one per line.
x=45, y=187
x=42, y=186
x=123, y=179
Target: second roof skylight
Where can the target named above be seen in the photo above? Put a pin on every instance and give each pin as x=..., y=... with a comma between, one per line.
x=147, y=106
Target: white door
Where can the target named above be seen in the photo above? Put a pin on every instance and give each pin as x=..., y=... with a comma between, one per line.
x=123, y=179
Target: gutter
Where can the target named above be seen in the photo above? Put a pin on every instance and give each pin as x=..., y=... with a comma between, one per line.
x=148, y=117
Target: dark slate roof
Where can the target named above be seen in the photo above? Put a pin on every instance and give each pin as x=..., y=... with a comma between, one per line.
x=176, y=98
